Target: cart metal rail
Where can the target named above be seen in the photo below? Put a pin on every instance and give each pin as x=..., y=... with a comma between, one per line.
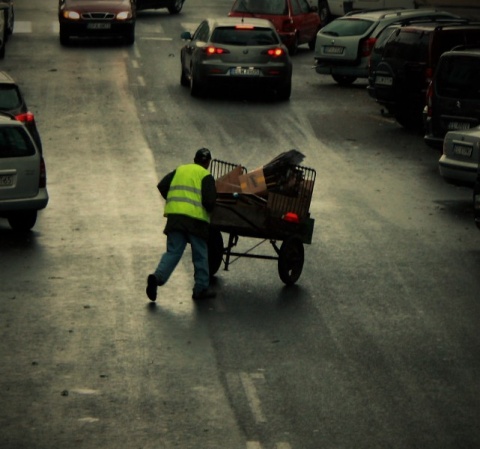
x=279, y=216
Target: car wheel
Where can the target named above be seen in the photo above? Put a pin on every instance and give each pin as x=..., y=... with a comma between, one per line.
x=324, y=12
x=409, y=119
x=311, y=44
x=129, y=36
x=176, y=6
x=196, y=88
x=23, y=221
x=344, y=80
x=64, y=36
x=184, y=79
x=293, y=49
x=284, y=92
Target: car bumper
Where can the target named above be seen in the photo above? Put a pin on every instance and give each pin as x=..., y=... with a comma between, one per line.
x=358, y=71
x=84, y=29
x=38, y=202
x=458, y=172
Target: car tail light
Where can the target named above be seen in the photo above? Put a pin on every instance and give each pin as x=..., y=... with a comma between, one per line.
x=429, y=74
x=26, y=117
x=42, y=183
x=288, y=26
x=366, y=46
x=275, y=52
x=211, y=50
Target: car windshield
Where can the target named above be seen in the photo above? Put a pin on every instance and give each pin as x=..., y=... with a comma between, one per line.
x=458, y=78
x=347, y=27
x=14, y=142
x=9, y=97
x=274, y=7
x=244, y=36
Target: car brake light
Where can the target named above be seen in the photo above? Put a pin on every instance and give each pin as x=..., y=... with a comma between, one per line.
x=275, y=52
x=211, y=50
x=244, y=27
x=42, y=183
x=367, y=46
x=26, y=117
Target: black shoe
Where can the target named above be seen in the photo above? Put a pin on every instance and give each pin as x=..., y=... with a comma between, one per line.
x=152, y=287
x=204, y=294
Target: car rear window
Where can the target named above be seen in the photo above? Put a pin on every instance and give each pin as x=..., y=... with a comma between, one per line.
x=14, y=142
x=244, y=36
x=9, y=97
x=408, y=45
x=273, y=7
x=457, y=77
x=347, y=27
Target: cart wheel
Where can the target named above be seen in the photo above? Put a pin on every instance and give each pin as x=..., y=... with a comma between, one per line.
x=215, y=251
x=290, y=261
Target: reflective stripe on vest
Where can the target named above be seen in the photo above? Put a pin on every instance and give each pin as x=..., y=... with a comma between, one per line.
x=185, y=194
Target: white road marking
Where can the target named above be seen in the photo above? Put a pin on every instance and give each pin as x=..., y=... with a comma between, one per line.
x=22, y=27
x=252, y=397
x=253, y=445
x=135, y=64
x=141, y=81
x=151, y=107
x=283, y=446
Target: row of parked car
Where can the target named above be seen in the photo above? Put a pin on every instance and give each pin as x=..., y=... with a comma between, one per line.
x=423, y=67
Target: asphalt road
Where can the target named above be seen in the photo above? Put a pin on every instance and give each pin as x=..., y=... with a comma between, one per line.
x=377, y=344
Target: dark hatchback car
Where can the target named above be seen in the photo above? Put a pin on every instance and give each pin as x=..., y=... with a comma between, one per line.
x=97, y=18
x=296, y=21
x=235, y=52
x=12, y=103
x=400, y=80
x=173, y=6
x=453, y=96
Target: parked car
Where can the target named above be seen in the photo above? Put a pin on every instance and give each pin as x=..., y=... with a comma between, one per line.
x=173, y=6
x=3, y=29
x=453, y=95
x=476, y=198
x=296, y=21
x=23, y=180
x=12, y=103
x=93, y=19
x=9, y=16
x=400, y=80
x=343, y=47
x=232, y=51
x=459, y=162
x=330, y=9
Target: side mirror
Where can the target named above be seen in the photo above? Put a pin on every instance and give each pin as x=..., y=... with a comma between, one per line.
x=186, y=35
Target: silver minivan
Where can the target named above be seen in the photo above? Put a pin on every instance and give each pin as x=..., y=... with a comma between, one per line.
x=23, y=180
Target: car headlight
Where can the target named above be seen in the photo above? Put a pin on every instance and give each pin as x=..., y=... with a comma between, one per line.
x=73, y=15
x=124, y=15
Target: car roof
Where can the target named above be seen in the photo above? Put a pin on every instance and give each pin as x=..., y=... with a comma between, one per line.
x=232, y=21
x=471, y=51
x=444, y=24
x=388, y=14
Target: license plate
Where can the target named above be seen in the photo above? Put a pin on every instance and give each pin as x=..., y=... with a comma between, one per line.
x=244, y=71
x=99, y=26
x=458, y=125
x=462, y=150
x=333, y=50
x=6, y=180
x=384, y=80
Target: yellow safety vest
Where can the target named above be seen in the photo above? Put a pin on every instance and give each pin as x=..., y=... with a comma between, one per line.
x=185, y=194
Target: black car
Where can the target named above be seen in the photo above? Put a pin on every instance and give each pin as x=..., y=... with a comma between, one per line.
x=400, y=79
x=476, y=198
x=173, y=6
x=453, y=96
x=97, y=19
x=13, y=104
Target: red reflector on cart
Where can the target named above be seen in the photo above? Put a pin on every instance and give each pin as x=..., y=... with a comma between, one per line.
x=292, y=217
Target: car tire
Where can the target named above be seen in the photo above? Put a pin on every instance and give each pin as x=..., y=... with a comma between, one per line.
x=344, y=80
x=176, y=6
x=324, y=12
x=409, y=119
x=284, y=92
x=311, y=44
x=196, y=88
x=129, y=36
x=184, y=81
x=64, y=36
x=293, y=49
x=23, y=221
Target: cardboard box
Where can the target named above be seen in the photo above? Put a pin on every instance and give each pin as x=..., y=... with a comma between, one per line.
x=253, y=182
x=230, y=183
